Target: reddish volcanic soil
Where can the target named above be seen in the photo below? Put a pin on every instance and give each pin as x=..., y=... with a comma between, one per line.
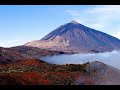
x=36, y=72
x=41, y=78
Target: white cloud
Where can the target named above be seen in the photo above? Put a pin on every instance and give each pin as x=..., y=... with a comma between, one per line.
x=97, y=25
x=73, y=12
x=104, y=9
x=109, y=58
x=117, y=35
x=11, y=43
x=105, y=12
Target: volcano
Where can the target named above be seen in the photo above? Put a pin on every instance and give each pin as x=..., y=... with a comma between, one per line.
x=75, y=37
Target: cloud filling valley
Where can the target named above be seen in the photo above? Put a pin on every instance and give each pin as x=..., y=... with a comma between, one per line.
x=109, y=58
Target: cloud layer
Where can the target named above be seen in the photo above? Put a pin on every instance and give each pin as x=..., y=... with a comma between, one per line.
x=110, y=58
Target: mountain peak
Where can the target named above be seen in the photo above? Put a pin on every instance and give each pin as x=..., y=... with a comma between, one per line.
x=74, y=22
x=75, y=37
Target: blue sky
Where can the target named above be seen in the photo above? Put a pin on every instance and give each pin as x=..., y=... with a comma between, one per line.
x=23, y=23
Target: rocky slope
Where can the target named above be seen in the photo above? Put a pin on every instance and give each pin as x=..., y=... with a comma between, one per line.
x=8, y=55
x=104, y=74
x=75, y=37
x=35, y=52
x=37, y=72
x=14, y=54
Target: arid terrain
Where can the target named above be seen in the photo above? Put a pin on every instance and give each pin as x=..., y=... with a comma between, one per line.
x=21, y=65
x=36, y=72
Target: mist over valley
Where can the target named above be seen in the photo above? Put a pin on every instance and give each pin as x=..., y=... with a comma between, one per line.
x=110, y=58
